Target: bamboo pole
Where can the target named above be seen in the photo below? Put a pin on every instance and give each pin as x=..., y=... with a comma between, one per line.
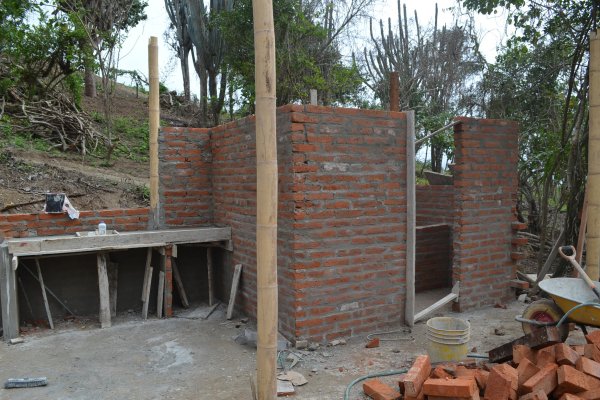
x=266, y=199
x=593, y=228
x=409, y=312
x=153, y=121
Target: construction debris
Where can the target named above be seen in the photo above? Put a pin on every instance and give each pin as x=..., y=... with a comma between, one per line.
x=554, y=372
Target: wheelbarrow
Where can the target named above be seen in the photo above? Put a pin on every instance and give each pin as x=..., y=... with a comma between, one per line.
x=572, y=300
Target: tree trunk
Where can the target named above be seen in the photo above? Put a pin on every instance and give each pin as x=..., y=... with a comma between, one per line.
x=185, y=72
x=90, y=82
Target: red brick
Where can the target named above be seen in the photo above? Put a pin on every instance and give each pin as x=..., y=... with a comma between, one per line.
x=565, y=355
x=502, y=383
x=593, y=394
x=377, y=390
x=545, y=357
x=463, y=372
x=416, y=375
x=593, y=337
x=569, y=396
x=545, y=380
x=420, y=396
x=450, y=387
x=372, y=343
x=589, y=367
x=539, y=395
x=439, y=373
x=592, y=352
x=526, y=370
x=475, y=396
x=571, y=380
x=481, y=378
x=521, y=351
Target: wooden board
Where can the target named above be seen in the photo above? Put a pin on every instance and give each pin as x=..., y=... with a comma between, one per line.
x=146, y=294
x=209, y=266
x=234, y=286
x=539, y=338
x=160, y=294
x=44, y=296
x=65, y=244
x=101, y=260
x=179, y=285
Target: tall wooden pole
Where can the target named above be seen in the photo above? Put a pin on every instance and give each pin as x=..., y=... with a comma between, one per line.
x=153, y=122
x=593, y=228
x=409, y=306
x=394, y=91
x=266, y=199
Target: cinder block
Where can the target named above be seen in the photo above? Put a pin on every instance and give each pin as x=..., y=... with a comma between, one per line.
x=377, y=390
x=450, y=387
x=416, y=375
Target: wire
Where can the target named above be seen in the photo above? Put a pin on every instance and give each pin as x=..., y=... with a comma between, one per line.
x=375, y=375
x=595, y=304
x=371, y=335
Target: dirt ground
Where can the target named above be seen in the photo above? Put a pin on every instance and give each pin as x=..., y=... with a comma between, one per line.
x=198, y=359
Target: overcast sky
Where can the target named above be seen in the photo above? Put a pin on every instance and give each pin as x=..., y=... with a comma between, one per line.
x=134, y=55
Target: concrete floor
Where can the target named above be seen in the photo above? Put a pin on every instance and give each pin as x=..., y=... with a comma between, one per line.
x=198, y=359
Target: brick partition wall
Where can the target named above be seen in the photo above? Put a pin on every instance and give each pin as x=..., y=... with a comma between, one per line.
x=485, y=182
x=435, y=204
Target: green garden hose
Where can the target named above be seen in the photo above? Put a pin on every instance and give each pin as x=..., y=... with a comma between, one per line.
x=375, y=375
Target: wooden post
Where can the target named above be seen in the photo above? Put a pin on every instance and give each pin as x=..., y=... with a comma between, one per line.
x=266, y=199
x=209, y=267
x=410, y=219
x=313, y=97
x=113, y=282
x=146, y=294
x=154, y=121
x=44, y=296
x=234, y=286
x=394, y=92
x=593, y=231
x=103, y=288
x=179, y=284
x=8, y=296
x=160, y=294
x=146, y=273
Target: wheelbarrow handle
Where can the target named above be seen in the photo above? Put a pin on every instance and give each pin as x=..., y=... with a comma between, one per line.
x=569, y=253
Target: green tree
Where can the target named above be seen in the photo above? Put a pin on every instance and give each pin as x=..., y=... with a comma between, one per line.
x=541, y=80
x=308, y=51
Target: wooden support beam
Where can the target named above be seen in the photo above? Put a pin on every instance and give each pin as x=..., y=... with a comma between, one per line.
x=153, y=126
x=453, y=296
x=44, y=296
x=8, y=296
x=179, y=285
x=113, y=282
x=160, y=295
x=234, y=286
x=209, y=266
x=101, y=260
x=146, y=293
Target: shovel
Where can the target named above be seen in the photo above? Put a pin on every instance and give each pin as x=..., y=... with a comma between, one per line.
x=569, y=253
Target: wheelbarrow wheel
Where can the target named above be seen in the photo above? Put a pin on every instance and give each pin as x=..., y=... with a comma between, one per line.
x=545, y=310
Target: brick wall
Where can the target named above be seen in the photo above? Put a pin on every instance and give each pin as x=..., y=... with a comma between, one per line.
x=435, y=204
x=485, y=182
x=41, y=224
x=185, y=177
x=433, y=261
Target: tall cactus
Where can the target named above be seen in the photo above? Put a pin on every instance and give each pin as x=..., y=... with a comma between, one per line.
x=176, y=12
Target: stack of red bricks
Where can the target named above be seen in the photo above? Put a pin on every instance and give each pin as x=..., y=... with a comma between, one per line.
x=559, y=372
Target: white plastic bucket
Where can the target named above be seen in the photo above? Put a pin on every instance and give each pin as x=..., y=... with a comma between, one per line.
x=447, y=339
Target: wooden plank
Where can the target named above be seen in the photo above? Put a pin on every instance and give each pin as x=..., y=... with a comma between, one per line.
x=453, y=296
x=26, y=297
x=101, y=260
x=44, y=296
x=234, y=286
x=539, y=337
x=57, y=244
x=209, y=266
x=146, y=272
x=179, y=285
x=113, y=282
x=8, y=296
x=160, y=295
x=410, y=218
x=146, y=294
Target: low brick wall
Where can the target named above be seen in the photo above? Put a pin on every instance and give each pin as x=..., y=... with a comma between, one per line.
x=433, y=261
x=41, y=224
